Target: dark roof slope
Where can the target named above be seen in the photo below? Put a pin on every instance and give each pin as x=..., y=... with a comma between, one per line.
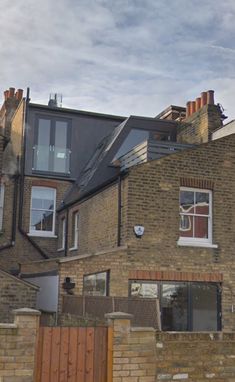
x=99, y=169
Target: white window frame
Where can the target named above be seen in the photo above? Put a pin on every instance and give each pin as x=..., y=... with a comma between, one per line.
x=63, y=233
x=193, y=241
x=2, y=190
x=38, y=232
x=75, y=229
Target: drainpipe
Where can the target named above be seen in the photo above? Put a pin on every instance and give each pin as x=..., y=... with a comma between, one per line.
x=119, y=211
x=66, y=233
x=21, y=190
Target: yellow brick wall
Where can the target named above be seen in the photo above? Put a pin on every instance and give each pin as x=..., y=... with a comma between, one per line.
x=17, y=348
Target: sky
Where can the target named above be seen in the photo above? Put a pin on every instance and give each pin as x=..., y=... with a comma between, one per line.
x=119, y=57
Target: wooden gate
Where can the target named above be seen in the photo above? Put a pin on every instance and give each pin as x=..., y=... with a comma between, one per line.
x=72, y=354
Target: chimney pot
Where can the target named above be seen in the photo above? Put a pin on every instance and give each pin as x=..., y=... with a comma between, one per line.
x=188, y=109
x=19, y=94
x=11, y=92
x=198, y=103
x=6, y=94
x=210, y=97
x=193, y=107
x=203, y=99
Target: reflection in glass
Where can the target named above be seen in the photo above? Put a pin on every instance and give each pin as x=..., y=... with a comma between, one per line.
x=42, y=209
x=144, y=289
x=60, y=149
x=174, y=306
x=186, y=226
x=204, y=305
x=201, y=227
x=194, y=214
x=95, y=284
x=135, y=137
x=42, y=150
x=187, y=201
x=51, y=152
x=202, y=203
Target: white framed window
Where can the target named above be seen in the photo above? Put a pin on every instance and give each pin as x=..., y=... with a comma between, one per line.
x=62, y=234
x=42, y=211
x=75, y=230
x=195, y=217
x=1, y=205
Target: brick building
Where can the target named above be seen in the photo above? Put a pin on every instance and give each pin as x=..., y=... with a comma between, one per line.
x=122, y=207
x=184, y=252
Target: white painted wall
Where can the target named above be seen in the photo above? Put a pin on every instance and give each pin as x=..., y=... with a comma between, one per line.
x=224, y=131
x=47, y=297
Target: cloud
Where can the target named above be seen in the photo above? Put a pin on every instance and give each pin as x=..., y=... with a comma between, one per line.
x=119, y=56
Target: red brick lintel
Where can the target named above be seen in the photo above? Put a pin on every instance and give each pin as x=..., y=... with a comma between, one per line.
x=197, y=183
x=175, y=276
x=44, y=183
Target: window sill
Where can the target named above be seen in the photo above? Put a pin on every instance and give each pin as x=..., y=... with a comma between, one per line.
x=194, y=243
x=39, y=234
x=73, y=249
x=60, y=249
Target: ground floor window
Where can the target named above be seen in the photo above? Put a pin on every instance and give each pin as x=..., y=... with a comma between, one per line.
x=96, y=284
x=184, y=306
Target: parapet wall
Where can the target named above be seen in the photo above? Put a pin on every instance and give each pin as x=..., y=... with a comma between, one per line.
x=18, y=346
x=143, y=355
x=195, y=357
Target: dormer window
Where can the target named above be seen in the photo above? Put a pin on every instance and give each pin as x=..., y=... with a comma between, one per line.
x=52, y=145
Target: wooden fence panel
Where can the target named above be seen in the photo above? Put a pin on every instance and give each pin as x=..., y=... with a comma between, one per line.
x=81, y=353
x=55, y=354
x=72, y=354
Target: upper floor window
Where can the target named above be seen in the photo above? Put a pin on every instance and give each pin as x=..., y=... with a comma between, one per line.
x=75, y=230
x=1, y=205
x=195, y=216
x=42, y=214
x=52, y=144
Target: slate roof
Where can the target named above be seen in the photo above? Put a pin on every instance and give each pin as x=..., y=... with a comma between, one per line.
x=99, y=169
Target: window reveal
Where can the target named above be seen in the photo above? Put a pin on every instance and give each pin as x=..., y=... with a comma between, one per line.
x=62, y=233
x=75, y=230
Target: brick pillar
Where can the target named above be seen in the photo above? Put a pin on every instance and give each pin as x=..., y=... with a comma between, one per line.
x=134, y=350
x=17, y=346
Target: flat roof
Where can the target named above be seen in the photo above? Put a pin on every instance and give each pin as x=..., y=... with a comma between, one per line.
x=75, y=111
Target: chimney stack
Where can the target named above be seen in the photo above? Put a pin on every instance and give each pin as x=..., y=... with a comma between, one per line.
x=18, y=95
x=207, y=98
